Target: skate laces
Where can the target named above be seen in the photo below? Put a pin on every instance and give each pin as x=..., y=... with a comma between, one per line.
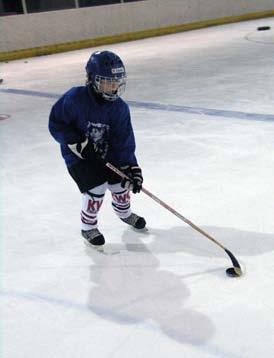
x=91, y=234
x=131, y=220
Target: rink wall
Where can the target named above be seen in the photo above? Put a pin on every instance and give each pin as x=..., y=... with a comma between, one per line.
x=58, y=31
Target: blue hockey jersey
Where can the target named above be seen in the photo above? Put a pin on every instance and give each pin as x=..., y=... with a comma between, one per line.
x=79, y=114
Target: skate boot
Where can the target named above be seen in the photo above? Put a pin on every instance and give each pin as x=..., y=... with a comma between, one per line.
x=135, y=221
x=94, y=238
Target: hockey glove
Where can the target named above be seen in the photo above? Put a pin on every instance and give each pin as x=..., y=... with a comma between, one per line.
x=84, y=150
x=135, y=179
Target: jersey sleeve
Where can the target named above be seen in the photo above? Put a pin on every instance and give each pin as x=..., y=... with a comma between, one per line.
x=62, y=122
x=122, y=138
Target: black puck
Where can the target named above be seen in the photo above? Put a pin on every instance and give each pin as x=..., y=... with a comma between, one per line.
x=263, y=28
x=234, y=272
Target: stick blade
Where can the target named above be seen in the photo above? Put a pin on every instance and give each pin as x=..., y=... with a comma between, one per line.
x=234, y=272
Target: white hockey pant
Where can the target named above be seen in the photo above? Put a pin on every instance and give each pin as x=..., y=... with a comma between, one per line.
x=93, y=200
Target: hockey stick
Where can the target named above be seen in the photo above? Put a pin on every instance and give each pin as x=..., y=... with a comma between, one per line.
x=234, y=271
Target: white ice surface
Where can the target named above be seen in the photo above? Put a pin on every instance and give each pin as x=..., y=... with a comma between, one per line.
x=165, y=293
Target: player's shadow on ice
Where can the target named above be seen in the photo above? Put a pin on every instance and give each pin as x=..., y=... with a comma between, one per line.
x=132, y=288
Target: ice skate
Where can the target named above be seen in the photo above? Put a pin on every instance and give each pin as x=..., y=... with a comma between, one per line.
x=137, y=222
x=94, y=238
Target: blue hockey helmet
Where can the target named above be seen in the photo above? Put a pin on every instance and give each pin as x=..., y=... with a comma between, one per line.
x=106, y=74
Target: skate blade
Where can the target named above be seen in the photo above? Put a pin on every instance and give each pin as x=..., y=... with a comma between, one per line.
x=142, y=231
x=107, y=251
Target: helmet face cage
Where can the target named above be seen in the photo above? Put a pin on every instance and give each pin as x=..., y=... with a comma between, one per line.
x=106, y=74
x=110, y=88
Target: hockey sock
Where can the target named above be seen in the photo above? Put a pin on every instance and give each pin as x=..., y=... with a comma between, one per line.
x=120, y=200
x=91, y=204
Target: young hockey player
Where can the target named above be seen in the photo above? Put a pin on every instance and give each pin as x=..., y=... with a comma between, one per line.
x=92, y=124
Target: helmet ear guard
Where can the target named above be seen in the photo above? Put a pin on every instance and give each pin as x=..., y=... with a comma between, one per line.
x=106, y=75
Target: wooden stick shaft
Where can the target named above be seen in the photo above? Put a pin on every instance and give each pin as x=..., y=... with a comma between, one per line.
x=169, y=208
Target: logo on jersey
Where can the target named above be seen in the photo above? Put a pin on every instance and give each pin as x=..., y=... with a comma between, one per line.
x=99, y=134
